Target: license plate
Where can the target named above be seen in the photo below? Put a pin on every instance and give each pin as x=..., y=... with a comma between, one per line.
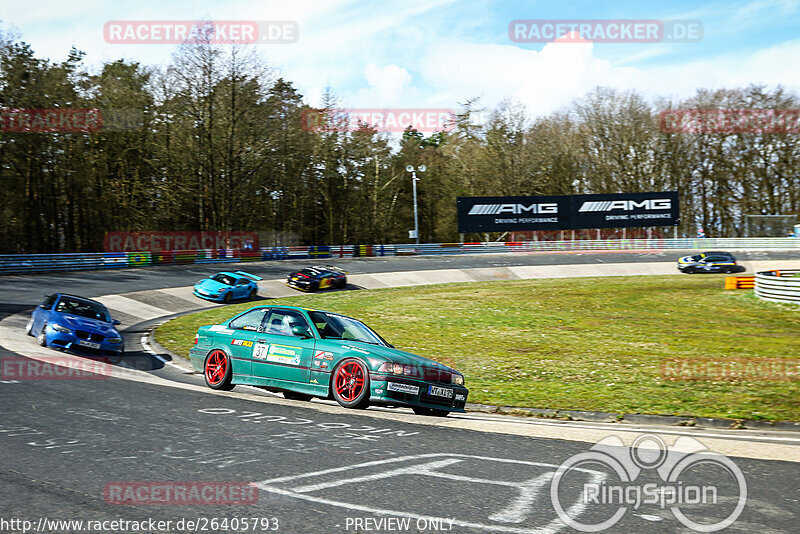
x=89, y=344
x=440, y=392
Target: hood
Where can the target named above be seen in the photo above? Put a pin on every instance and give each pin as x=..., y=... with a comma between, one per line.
x=208, y=284
x=390, y=355
x=84, y=323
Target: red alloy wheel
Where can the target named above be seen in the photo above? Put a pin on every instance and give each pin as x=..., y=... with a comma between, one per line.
x=217, y=371
x=351, y=384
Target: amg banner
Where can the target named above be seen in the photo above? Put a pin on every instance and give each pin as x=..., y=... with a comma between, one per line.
x=568, y=212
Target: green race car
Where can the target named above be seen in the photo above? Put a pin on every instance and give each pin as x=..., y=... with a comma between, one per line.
x=311, y=353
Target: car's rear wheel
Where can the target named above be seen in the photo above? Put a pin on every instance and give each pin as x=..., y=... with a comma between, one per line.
x=42, y=337
x=350, y=384
x=341, y=284
x=420, y=410
x=293, y=395
x=227, y=298
x=217, y=371
x=727, y=270
x=253, y=294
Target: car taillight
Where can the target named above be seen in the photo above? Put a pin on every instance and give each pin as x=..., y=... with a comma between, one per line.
x=196, y=338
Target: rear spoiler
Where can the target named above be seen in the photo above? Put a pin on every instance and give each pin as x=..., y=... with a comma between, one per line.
x=254, y=277
x=329, y=268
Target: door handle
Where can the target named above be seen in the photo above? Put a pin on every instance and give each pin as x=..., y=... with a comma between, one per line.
x=262, y=340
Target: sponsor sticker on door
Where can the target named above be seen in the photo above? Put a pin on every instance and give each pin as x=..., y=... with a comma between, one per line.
x=283, y=354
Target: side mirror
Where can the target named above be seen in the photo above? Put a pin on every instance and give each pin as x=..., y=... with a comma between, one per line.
x=301, y=331
x=115, y=322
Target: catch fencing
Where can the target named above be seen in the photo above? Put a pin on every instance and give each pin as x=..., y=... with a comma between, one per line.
x=27, y=263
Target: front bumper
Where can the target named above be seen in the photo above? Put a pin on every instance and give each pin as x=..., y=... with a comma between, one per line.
x=298, y=286
x=71, y=342
x=216, y=297
x=401, y=391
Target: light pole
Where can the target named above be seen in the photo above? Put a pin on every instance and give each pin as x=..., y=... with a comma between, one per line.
x=413, y=171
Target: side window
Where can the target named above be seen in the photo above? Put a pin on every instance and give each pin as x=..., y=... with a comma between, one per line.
x=281, y=322
x=250, y=320
x=48, y=302
x=242, y=282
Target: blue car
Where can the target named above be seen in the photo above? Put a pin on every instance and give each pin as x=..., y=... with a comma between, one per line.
x=74, y=323
x=225, y=286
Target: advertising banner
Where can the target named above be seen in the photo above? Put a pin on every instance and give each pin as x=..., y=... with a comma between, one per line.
x=567, y=212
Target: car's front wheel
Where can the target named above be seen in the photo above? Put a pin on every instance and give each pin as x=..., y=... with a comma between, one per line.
x=227, y=298
x=420, y=410
x=42, y=337
x=350, y=384
x=217, y=371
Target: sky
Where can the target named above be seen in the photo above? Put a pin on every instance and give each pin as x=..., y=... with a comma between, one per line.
x=439, y=53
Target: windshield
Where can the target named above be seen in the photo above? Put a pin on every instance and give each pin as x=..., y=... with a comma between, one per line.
x=332, y=326
x=223, y=279
x=83, y=308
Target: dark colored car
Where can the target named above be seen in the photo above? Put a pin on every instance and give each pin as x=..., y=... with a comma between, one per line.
x=225, y=286
x=311, y=353
x=318, y=277
x=708, y=262
x=70, y=322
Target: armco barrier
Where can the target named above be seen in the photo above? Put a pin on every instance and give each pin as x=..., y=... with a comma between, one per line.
x=779, y=286
x=20, y=263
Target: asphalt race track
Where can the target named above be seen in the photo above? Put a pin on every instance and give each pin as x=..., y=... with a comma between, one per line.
x=146, y=441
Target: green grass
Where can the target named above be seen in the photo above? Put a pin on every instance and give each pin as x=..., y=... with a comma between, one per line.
x=576, y=344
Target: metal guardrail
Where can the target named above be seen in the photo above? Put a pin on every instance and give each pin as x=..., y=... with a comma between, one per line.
x=26, y=263
x=779, y=286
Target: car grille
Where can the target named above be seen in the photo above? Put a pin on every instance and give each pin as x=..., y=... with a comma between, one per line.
x=436, y=376
x=83, y=334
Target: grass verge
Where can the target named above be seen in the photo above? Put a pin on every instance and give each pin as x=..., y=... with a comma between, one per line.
x=578, y=344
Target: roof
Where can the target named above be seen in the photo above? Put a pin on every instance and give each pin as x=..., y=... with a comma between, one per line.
x=77, y=297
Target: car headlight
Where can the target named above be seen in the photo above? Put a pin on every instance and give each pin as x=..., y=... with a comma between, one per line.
x=59, y=328
x=115, y=340
x=457, y=379
x=398, y=369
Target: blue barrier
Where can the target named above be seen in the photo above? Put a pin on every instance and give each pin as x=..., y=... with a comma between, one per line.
x=27, y=263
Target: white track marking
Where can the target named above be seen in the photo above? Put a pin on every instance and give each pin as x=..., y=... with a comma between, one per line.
x=132, y=307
